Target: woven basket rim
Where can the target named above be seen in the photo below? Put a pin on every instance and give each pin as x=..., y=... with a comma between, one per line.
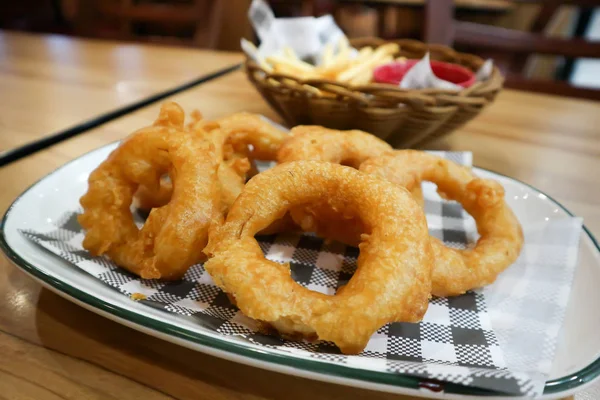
x=479, y=90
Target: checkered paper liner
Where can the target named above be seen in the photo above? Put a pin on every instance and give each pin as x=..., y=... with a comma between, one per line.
x=460, y=340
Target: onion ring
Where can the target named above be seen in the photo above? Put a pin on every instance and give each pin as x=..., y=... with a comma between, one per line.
x=350, y=148
x=231, y=173
x=174, y=235
x=501, y=235
x=231, y=137
x=393, y=278
x=340, y=147
x=146, y=198
x=248, y=129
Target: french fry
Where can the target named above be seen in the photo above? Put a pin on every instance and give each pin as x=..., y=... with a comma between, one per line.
x=327, y=57
x=387, y=49
x=386, y=60
x=333, y=69
x=362, y=79
x=289, y=70
x=290, y=53
x=366, y=60
x=295, y=64
x=361, y=67
x=364, y=53
x=293, y=70
x=366, y=76
x=343, y=53
x=342, y=56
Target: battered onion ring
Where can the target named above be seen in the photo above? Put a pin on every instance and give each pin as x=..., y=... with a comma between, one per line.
x=501, y=236
x=392, y=282
x=146, y=198
x=231, y=137
x=321, y=144
x=173, y=236
x=248, y=129
x=233, y=165
x=350, y=148
x=231, y=174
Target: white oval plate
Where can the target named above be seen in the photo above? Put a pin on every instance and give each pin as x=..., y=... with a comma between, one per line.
x=577, y=360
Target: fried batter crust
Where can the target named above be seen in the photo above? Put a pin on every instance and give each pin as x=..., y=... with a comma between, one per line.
x=393, y=278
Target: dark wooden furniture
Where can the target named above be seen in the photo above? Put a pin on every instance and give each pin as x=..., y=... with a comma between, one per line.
x=184, y=22
x=440, y=27
x=408, y=12
x=32, y=16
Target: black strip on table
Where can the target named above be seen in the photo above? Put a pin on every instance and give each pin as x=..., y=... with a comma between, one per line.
x=9, y=156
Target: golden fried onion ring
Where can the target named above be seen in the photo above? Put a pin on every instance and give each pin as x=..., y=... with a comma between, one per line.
x=174, y=235
x=231, y=173
x=147, y=199
x=392, y=282
x=321, y=144
x=231, y=137
x=501, y=236
x=248, y=129
x=352, y=148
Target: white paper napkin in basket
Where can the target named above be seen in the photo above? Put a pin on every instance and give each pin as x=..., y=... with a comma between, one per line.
x=421, y=76
x=502, y=337
x=307, y=36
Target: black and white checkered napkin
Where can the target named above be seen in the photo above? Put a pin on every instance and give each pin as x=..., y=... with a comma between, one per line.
x=457, y=340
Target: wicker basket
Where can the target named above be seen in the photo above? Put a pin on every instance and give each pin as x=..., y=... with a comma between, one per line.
x=404, y=118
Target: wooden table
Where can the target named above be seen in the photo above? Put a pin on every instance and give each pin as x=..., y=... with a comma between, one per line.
x=50, y=83
x=53, y=349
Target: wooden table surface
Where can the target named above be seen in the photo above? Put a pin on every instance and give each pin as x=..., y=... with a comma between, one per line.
x=49, y=83
x=53, y=349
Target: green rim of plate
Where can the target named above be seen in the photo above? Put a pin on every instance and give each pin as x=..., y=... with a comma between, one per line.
x=565, y=383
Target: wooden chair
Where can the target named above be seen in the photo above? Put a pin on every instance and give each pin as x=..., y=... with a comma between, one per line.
x=389, y=12
x=192, y=22
x=440, y=27
x=31, y=15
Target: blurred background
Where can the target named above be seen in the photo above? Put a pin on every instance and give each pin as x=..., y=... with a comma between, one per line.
x=543, y=46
